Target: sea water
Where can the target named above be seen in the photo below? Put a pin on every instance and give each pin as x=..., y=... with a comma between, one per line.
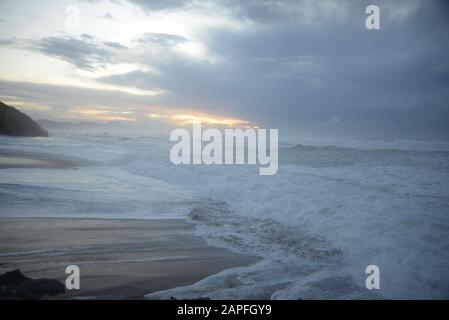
x=333, y=208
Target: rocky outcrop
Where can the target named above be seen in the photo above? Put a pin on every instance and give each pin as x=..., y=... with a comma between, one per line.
x=16, y=123
x=14, y=285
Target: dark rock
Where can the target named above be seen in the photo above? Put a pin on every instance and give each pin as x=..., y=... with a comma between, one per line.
x=7, y=293
x=16, y=123
x=43, y=287
x=14, y=285
x=12, y=277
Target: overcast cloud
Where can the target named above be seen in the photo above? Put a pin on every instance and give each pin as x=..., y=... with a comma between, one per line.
x=305, y=66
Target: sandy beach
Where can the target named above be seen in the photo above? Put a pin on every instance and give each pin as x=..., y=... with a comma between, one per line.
x=16, y=159
x=138, y=226
x=118, y=259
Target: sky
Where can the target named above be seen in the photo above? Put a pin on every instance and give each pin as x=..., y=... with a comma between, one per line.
x=305, y=67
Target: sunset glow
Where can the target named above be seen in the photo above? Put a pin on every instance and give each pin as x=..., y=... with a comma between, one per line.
x=186, y=119
x=102, y=113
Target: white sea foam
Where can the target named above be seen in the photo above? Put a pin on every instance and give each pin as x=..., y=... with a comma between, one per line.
x=333, y=208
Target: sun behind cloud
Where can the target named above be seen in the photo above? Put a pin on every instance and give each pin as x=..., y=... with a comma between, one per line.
x=186, y=118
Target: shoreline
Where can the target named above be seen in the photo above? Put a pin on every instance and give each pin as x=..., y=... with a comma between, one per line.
x=34, y=160
x=118, y=259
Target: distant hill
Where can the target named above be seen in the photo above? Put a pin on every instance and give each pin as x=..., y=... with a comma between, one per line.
x=16, y=123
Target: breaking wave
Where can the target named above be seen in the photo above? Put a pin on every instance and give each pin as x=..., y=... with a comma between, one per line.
x=332, y=209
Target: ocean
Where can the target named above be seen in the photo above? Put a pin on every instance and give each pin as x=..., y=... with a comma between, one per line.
x=335, y=207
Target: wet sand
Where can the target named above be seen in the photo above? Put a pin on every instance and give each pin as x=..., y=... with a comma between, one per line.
x=21, y=159
x=118, y=259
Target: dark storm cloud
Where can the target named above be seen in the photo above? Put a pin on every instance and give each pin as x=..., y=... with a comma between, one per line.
x=284, y=11
x=154, y=5
x=309, y=65
x=82, y=52
x=332, y=74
